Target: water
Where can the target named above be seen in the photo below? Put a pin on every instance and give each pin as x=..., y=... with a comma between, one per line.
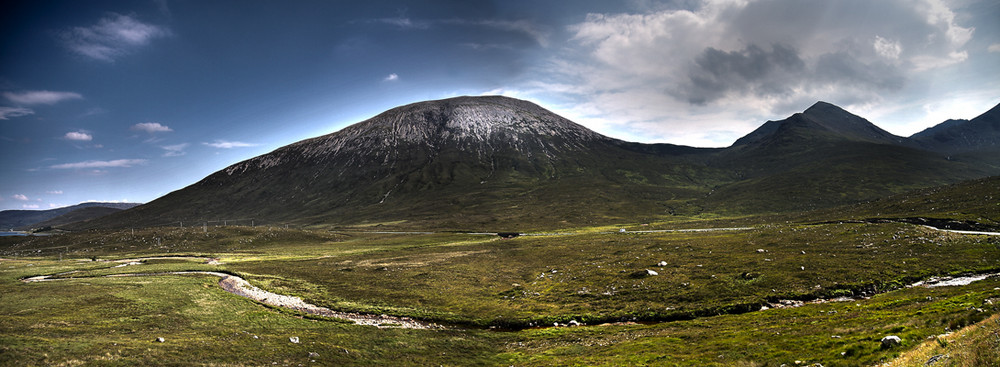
x=7, y=233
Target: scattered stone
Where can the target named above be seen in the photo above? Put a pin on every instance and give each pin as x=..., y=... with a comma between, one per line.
x=161, y=340
x=936, y=359
x=643, y=273
x=294, y=339
x=661, y=263
x=891, y=341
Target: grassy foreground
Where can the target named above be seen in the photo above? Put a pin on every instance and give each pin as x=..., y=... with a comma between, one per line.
x=701, y=308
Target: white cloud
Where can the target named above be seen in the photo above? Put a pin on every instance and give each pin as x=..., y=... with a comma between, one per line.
x=391, y=78
x=19, y=197
x=994, y=47
x=101, y=164
x=887, y=49
x=151, y=127
x=41, y=97
x=29, y=206
x=112, y=37
x=7, y=113
x=175, y=150
x=54, y=192
x=713, y=72
x=78, y=136
x=224, y=144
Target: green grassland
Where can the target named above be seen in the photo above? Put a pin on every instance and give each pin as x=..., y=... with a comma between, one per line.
x=496, y=297
x=701, y=309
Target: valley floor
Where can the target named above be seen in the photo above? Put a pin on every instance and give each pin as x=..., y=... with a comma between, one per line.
x=653, y=298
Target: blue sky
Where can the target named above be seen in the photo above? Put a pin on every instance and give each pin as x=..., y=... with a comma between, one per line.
x=129, y=100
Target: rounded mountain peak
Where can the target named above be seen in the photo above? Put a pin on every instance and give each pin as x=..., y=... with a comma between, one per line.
x=471, y=118
x=481, y=126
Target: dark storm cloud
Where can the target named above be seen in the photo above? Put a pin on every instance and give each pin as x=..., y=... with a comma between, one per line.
x=753, y=69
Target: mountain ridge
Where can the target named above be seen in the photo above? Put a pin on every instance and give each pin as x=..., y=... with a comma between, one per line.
x=20, y=219
x=499, y=162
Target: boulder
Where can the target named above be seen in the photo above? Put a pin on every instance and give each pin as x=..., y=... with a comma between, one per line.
x=643, y=273
x=891, y=341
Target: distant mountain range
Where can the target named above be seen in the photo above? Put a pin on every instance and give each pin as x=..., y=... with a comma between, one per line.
x=500, y=163
x=28, y=219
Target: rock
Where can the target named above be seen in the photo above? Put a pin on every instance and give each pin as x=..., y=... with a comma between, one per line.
x=574, y=323
x=936, y=359
x=294, y=339
x=891, y=341
x=643, y=273
x=313, y=354
x=761, y=251
x=161, y=340
x=661, y=263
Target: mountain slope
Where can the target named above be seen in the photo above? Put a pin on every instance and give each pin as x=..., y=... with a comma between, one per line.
x=823, y=157
x=962, y=136
x=497, y=163
x=10, y=219
x=75, y=217
x=467, y=161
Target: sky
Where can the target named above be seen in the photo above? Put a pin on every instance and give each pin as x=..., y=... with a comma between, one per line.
x=130, y=100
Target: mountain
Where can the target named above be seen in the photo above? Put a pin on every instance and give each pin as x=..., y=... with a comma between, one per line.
x=501, y=164
x=11, y=219
x=467, y=161
x=75, y=217
x=964, y=136
x=826, y=156
x=823, y=119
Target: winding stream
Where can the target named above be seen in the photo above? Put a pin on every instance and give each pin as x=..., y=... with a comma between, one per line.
x=240, y=287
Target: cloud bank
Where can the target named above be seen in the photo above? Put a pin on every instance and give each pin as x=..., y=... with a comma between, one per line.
x=754, y=58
